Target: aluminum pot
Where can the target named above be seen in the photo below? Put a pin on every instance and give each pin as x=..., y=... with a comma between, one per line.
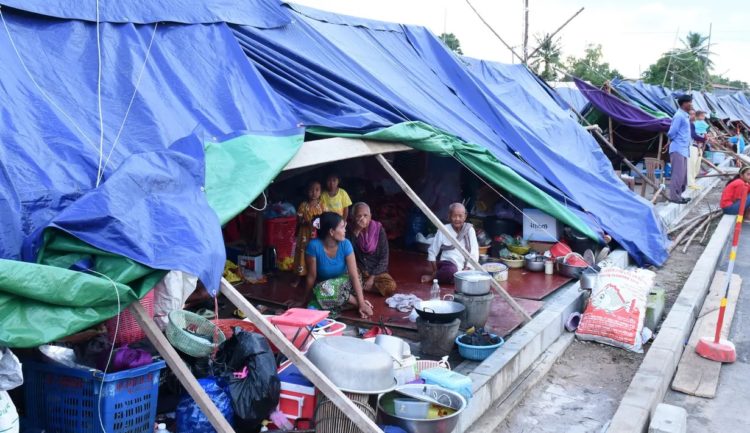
x=340, y=359
x=439, y=311
x=534, y=262
x=472, y=283
x=445, y=424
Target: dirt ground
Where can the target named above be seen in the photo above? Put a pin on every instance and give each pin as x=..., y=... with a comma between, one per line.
x=584, y=387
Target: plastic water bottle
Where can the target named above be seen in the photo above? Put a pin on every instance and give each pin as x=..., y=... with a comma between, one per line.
x=435, y=290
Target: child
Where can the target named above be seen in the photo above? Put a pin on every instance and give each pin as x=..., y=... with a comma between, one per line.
x=701, y=126
x=336, y=199
x=306, y=214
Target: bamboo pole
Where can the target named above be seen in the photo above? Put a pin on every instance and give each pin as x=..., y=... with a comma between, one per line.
x=439, y=225
x=181, y=371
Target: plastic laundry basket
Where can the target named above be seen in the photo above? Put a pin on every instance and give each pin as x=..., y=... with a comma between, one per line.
x=61, y=399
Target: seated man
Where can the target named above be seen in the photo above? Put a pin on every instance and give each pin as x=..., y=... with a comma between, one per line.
x=371, y=251
x=451, y=259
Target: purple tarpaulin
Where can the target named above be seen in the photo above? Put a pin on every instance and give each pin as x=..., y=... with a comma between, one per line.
x=621, y=111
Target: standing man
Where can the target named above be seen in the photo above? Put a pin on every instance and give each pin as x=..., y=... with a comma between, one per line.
x=679, y=149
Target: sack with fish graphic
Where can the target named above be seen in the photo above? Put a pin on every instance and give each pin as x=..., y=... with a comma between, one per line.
x=615, y=312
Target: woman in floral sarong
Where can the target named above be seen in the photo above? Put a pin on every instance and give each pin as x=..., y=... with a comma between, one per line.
x=332, y=275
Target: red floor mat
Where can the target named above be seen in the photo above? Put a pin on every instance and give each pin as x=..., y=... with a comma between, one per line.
x=407, y=267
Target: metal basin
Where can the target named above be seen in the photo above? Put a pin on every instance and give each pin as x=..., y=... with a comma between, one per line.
x=472, y=282
x=340, y=359
x=534, y=262
x=445, y=424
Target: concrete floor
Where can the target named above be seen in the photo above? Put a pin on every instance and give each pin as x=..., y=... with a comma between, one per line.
x=727, y=412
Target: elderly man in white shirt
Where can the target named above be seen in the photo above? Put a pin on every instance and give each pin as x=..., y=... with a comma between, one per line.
x=451, y=259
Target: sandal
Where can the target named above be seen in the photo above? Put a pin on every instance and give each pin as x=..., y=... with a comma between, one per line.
x=206, y=313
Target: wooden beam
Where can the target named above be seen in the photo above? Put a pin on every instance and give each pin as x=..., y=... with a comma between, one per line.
x=307, y=368
x=179, y=368
x=596, y=132
x=440, y=226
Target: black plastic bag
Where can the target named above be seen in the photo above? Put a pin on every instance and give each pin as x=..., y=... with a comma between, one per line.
x=256, y=395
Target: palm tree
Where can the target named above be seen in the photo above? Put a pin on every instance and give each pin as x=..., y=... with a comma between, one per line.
x=546, y=57
x=695, y=43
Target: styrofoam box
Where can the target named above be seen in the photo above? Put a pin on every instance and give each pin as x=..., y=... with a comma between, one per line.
x=540, y=227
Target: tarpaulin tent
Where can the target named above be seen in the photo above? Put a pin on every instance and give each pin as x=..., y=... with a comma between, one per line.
x=715, y=107
x=170, y=173
x=550, y=140
x=622, y=111
x=574, y=97
x=350, y=75
x=357, y=75
x=649, y=96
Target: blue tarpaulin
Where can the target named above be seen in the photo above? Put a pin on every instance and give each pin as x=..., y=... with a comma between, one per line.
x=558, y=146
x=574, y=97
x=150, y=205
x=355, y=74
x=650, y=96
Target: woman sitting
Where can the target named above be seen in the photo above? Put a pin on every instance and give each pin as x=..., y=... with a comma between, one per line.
x=332, y=269
x=371, y=251
x=451, y=259
x=733, y=192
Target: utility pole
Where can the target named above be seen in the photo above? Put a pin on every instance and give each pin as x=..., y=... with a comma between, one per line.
x=707, y=77
x=525, y=32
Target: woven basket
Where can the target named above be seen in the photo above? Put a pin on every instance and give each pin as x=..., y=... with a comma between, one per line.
x=203, y=336
x=425, y=364
x=330, y=419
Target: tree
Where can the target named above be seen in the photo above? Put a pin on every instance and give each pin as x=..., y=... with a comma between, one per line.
x=546, y=58
x=452, y=42
x=591, y=67
x=683, y=68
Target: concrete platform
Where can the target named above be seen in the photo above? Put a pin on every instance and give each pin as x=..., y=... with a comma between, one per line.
x=650, y=383
x=494, y=376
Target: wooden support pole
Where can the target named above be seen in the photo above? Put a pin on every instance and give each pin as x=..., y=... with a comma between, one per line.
x=658, y=157
x=712, y=165
x=307, y=368
x=179, y=368
x=598, y=134
x=440, y=226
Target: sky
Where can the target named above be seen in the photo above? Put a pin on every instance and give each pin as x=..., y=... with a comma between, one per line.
x=633, y=33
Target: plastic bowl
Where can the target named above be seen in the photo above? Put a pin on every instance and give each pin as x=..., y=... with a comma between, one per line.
x=477, y=353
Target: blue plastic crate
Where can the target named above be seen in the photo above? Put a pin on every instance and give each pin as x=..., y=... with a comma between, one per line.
x=60, y=399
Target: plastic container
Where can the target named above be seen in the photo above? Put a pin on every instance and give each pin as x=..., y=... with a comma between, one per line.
x=447, y=379
x=411, y=408
x=426, y=364
x=297, y=323
x=477, y=353
x=329, y=328
x=65, y=400
x=129, y=331
x=279, y=233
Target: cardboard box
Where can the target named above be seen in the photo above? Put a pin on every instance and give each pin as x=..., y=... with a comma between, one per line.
x=251, y=266
x=540, y=227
